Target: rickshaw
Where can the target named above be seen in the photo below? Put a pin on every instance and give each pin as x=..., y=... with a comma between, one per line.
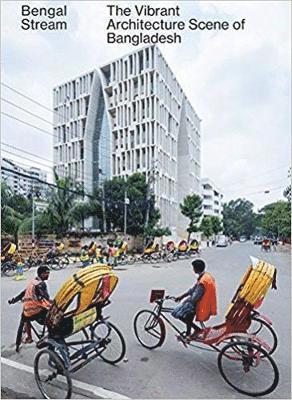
x=244, y=353
x=151, y=252
x=266, y=245
x=77, y=310
x=194, y=248
x=182, y=250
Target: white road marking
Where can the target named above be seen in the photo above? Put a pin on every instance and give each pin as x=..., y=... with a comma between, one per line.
x=95, y=390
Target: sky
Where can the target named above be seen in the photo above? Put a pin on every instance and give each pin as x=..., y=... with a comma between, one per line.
x=239, y=83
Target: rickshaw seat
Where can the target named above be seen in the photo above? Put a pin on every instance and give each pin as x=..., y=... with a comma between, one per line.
x=251, y=291
x=89, y=289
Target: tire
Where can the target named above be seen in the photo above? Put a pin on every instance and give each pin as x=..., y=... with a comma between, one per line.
x=48, y=363
x=146, y=259
x=64, y=261
x=149, y=329
x=244, y=366
x=131, y=260
x=8, y=269
x=264, y=331
x=175, y=257
x=115, y=346
x=54, y=264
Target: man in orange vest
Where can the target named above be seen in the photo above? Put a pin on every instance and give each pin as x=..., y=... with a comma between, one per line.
x=201, y=299
x=36, y=301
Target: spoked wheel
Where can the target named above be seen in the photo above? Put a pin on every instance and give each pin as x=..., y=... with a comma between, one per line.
x=248, y=368
x=54, y=264
x=51, y=376
x=112, y=339
x=131, y=260
x=8, y=269
x=149, y=329
x=63, y=262
x=263, y=330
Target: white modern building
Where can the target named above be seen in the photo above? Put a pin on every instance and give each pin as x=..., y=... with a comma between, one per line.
x=130, y=115
x=19, y=184
x=212, y=198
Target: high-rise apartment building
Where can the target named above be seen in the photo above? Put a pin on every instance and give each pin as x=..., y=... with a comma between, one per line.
x=212, y=199
x=18, y=178
x=130, y=115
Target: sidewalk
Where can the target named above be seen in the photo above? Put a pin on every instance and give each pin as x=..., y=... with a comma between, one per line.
x=18, y=382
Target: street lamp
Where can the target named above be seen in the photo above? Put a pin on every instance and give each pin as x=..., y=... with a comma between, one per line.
x=126, y=203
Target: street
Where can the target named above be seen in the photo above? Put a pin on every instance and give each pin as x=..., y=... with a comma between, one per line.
x=171, y=371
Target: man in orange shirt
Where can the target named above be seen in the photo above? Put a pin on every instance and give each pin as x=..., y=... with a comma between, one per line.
x=36, y=303
x=201, y=299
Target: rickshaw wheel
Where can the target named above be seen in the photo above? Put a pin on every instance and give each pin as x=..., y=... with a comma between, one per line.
x=114, y=342
x=248, y=368
x=130, y=260
x=149, y=329
x=264, y=331
x=51, y=376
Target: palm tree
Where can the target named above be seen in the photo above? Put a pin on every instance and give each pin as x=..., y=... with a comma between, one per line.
x=61, y=203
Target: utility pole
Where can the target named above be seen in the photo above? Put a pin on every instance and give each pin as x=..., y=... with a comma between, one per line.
x=33, y=216
x=151, y=179
x=103, y=208
x=126, y=202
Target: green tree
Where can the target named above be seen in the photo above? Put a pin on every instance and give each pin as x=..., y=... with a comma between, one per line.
x=42, y=223
x=239, y=218
x=276, y=219
x=136, y=189
x=60, y=204
x=206, y=227
x=79, y=212
x=157, y=232
x=14, y=209
x=191, y=207
x=216, y=224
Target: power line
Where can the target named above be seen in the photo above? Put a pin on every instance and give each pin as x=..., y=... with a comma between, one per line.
x=257, y=175
x=26, y=123
x=262, y=192
x=26, y=158
x=27, y=152
x=261, y=184
x=34, y=161
x=28, y=112
x=27, y=97
x=46, y=183
x=47, y=132
x=53, y=111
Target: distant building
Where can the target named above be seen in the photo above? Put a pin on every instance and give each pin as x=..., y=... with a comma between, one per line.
x=212, y=198
x=20, y=184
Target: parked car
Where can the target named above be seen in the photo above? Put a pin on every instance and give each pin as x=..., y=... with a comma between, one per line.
x=222, y=241
x=242, y=239
x=258, y=240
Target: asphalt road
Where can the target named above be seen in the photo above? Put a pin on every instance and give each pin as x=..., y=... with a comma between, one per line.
x=170, y=371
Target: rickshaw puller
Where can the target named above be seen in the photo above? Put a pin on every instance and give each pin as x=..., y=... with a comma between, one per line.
x=36, y=300
x=201, y=300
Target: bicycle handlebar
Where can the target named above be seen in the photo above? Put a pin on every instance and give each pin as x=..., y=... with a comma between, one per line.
x=169, y=297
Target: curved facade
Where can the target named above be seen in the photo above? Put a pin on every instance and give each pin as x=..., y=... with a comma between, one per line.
x=135, y=118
